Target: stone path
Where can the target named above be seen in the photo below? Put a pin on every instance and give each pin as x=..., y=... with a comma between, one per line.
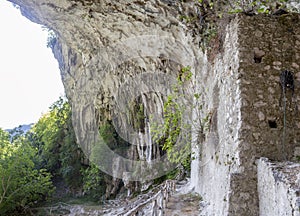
x=181, y=202
x=183, y=205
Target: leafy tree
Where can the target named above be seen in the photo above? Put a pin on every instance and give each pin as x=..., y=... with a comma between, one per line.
x=54, y=136
x=94, y=184
x=21, y=183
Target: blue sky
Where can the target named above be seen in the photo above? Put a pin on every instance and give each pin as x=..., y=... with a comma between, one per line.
x=29, y=76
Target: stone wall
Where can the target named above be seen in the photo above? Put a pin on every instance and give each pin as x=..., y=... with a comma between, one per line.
x=221, y=104
x=278, y=188
x=277, y=39
x=252, y=116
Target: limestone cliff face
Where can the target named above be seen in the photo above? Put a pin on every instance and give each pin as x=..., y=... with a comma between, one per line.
x=118, y=60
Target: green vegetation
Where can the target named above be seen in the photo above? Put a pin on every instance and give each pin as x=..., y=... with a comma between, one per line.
x=112, y=139
x=255, y=7
x=32, y=164
x=54, y=137
x=210, y=17
x=22, y=182
x=93, y=182
x=174, y=134
x=250, y=7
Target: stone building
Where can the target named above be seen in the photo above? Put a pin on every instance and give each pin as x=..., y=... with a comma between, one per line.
x=252, y=116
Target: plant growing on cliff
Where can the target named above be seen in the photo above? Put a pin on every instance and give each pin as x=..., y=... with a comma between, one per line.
x=51, y=39
x=174, y=134
x=217, y=9
x=207, y=20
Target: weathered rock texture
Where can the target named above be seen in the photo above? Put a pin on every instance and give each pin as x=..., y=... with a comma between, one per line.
x=278, y=188
x=250, y=114
x=102, y=45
